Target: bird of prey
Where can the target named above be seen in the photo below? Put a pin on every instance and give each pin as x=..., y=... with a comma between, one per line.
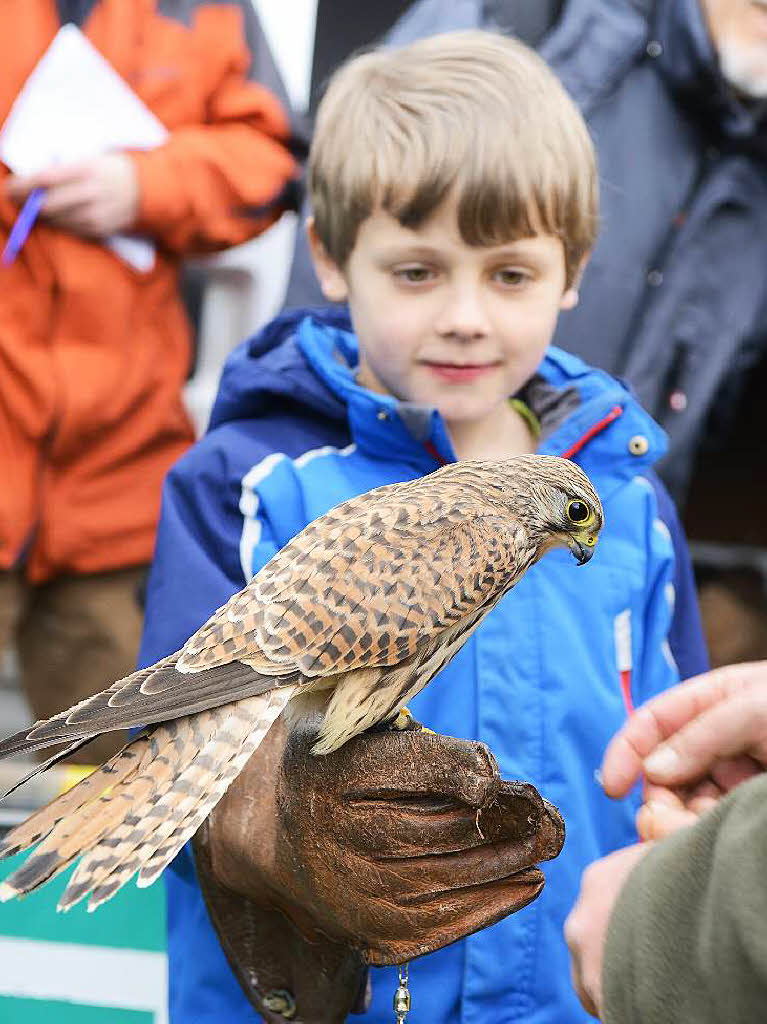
x=356, y=614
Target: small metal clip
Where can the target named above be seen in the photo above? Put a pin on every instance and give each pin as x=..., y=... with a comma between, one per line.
x=402, y=995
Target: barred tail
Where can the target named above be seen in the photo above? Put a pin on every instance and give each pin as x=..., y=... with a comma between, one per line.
x=137, y=810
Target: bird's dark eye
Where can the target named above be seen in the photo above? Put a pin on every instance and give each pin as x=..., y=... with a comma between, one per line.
x=578, y=511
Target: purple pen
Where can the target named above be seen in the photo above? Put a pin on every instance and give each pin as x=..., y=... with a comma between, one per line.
x=22, y=225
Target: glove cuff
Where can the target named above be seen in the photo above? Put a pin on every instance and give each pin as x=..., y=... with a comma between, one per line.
x=284, y=975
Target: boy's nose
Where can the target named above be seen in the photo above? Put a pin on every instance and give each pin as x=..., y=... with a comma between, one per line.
x=462, y=315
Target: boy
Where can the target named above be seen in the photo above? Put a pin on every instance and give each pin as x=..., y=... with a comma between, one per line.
x=454, y=194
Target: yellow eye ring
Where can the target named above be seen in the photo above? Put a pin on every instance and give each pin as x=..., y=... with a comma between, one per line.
x=578, y=511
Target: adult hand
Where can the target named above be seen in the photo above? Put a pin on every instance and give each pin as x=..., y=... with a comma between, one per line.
x=586, y=925
x=393, y=846
x=694, y=743
x=94, y=199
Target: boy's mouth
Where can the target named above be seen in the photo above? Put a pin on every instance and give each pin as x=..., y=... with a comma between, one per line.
x=459, y=373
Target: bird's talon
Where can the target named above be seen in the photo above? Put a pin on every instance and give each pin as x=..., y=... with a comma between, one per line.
x=403, y=721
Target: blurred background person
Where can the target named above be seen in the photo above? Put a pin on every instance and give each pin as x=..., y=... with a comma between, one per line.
x=675, y=94
x=94, y=353
x=676, y=281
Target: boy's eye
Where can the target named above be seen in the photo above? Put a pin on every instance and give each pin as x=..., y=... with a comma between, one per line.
x=510, y=277
x=413, y=275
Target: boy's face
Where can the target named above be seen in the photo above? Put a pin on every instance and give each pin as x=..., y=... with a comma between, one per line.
x=443, y=323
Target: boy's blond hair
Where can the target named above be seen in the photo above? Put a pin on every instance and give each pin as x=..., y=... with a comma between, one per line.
x=471, y=111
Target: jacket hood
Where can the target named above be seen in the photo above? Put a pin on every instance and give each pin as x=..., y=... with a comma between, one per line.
x=269, y=368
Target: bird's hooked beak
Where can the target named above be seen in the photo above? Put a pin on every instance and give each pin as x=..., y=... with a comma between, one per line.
x=582, y=546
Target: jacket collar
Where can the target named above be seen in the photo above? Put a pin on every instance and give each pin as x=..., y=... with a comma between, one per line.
x=378, y=423
x=603, y=427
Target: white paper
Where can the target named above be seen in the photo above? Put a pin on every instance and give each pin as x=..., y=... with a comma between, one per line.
x=74, y=106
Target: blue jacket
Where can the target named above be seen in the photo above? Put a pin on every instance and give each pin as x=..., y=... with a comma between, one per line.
x=544, y=682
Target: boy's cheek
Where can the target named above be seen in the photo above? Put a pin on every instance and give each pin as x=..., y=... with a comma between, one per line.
x=388, y=343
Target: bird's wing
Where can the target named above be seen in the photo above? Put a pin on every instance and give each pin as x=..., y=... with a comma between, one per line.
x=361, y=586
x=364, y=585
x=154, y=694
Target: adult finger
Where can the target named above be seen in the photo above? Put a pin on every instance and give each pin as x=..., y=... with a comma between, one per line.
x=576, y=938
x=576, y=978
x=664, y=795
x=729, y=772
x=586, y=925
x=656, y=820
x=698, y=805
x=703, y=796
x=734, y=727
x=697, y=799
x=724, y=774
x=653, y=723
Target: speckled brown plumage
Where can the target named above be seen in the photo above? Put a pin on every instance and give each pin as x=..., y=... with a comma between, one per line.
x=359, y=611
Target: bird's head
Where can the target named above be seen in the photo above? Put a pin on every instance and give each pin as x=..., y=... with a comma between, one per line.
x=556, y=503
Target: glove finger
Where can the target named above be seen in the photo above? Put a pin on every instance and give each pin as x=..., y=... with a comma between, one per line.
x=440, y=917
x=551, y=834
x=518, y=805
x=428, y=869
x=444, y=917
x=410, y=881
x=406, y=826
x=395, y=763
x=410, y=825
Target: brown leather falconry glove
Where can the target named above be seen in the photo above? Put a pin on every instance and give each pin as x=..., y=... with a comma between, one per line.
x=395, y=845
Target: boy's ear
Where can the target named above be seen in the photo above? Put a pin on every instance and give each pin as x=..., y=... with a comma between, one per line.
x=329, y=274
x=571, y=296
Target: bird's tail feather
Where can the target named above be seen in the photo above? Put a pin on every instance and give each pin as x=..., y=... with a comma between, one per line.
x=43, y=766
x=89, y=789
x=137, y=810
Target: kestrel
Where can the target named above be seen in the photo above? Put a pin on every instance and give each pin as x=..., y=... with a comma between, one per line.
x=356, y=614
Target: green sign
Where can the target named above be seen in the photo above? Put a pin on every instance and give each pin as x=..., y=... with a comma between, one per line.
x=108, y=967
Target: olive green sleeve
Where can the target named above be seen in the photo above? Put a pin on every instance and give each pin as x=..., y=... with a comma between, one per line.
x=687, y=941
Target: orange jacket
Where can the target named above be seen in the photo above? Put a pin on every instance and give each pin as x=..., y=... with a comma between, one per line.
x=93, y=354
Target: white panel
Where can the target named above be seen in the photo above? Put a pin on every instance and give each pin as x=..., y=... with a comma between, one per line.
x=289, y=26
x=622, y=629
x=124, y=979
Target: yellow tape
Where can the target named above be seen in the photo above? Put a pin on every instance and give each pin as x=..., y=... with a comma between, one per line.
x=71, y=774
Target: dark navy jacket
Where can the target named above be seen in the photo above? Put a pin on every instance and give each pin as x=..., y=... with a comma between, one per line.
x=545, y=681
x=675, y=296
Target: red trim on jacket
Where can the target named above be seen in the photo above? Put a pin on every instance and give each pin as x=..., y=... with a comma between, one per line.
x=611, y=417
x=613, y=414
x=431, y=448
x=626, y=691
